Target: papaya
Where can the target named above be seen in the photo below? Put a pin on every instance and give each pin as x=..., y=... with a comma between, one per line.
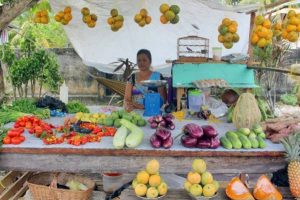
x=265, y=190
x=236, y=190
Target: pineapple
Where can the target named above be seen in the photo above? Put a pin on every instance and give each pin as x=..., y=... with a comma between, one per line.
x=292, y=148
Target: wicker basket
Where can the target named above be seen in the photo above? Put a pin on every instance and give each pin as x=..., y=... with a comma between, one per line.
x=43, y=187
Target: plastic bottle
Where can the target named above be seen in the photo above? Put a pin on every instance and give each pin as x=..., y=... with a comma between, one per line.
x=64, y=93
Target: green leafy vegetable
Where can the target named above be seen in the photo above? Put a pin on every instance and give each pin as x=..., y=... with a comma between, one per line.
x=10, y=116
x=289, y=99
x=42, y=113
x=76, y=106
x=24, y=105
x=3, y=133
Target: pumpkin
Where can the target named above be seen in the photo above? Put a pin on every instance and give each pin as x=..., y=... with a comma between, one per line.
x=246, y=112
x=236, y=190
x=265, y=190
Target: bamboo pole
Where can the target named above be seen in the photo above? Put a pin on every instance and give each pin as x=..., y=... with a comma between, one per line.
x=284, y=71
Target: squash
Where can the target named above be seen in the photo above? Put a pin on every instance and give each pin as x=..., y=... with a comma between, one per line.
x=135, y=136
x=236, y=190
x=120, y=137
x=246, y=112
x=265, y=190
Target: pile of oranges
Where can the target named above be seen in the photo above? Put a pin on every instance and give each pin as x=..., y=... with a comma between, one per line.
x=291, y=26
x=65, y=16
x=142, y=18
x=169, y=13
x=115, y=21
x=228, y=33
x=262, y=33
x=88, y=18
x=41, y=17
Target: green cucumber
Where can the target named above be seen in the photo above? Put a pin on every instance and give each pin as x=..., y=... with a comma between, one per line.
x=226, y=142
x=254, y=142
x=262, y=143
x=245, y=142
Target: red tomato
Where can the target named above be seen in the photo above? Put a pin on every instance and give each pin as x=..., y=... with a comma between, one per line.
x=13, y=133
x=16, y=140
x=22, y=138
x=28, y=125
x=30, y=131
x=6, y=140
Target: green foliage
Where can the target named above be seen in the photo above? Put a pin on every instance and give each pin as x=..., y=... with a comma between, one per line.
x=76, y=106
x=24, y=105
x=289, y=99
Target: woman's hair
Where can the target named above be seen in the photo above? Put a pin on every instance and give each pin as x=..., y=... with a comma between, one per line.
x=145, y=52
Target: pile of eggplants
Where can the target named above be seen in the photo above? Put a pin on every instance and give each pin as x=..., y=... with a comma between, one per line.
x=164, y=121
x=161, y=138
x=195, y=136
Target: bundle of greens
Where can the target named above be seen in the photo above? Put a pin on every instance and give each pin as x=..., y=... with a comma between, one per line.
x=3, y=132
x=7, y=115
x=289, y=99
x=76, y=106
x=24, y=105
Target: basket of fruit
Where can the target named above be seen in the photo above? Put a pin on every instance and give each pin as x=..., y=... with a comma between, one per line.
x=49, y=186
x=200, y=183
x=148, y=184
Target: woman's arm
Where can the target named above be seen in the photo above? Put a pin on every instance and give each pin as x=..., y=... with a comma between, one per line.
x=129, y=105
x=163, y=93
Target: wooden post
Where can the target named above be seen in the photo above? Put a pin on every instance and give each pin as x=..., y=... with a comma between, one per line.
x=250, y=49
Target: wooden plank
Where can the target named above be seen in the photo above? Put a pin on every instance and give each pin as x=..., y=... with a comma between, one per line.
x=8, y=179
x=140, y=152
x=20, y=193
x=132, y=164
x=15, y=187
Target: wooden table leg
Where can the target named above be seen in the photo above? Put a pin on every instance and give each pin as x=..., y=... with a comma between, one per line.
x=179, y=93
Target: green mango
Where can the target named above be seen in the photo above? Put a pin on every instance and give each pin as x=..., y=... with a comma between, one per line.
x=141, y=122
x=108, y=122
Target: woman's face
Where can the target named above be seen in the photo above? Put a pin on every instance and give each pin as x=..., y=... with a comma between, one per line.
x=143, y=62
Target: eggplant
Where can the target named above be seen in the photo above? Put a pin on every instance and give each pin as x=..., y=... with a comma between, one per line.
x=204, y=143
x=168, y=143
x=193, y=130
x=188, y=141
x=168, y=117
x=214, y=143
x=155, y=141
x=151, y=120
x=158, y=118
x=153, y=125
x=171, y=126
x=163, y=134
x=163, y=124
x=209, y=131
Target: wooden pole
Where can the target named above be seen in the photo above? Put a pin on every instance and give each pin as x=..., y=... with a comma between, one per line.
x=275, y=70
x=250, y=49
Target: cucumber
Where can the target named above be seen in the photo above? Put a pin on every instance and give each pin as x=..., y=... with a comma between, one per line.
x=120, y=137
x=261, y=135
x=244, y=131
x=245, y=142
x=252, y=135
x=231, y=134
x=136, y=136
x=262, y=143
x=254, y=142
x=225, y=142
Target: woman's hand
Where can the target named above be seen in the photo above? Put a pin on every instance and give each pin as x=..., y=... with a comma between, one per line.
x=128, y=106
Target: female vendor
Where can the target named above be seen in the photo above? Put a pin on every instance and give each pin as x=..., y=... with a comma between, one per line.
x=134, y=93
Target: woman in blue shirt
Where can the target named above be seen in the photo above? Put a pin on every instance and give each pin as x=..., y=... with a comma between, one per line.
x=134, y=93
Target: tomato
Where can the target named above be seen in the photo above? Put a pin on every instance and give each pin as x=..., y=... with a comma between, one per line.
x=16, y=140
x=13, y=133
x=22, y=138
x=6, y=140
x=28, y=125
x=84, y=140
x=76, y=142
x=30, y=131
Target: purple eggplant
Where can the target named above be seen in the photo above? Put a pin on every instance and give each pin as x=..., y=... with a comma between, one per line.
x=188, y=141
x=214, y=143
x=158, y=119
x=171, y=126
x=151, y=120
x=204, y=143
x=153, y=125
x=155, y=141
x=163, y=134
x=168, y=143
x=193, y=130
x=209, y=131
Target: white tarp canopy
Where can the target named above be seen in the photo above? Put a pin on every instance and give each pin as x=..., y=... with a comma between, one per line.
x=98, y=47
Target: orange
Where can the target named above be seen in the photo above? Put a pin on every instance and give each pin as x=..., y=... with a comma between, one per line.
x=259, y=20
x=292, y=36
x=163, y=19
x=64, y=22
x=294, y=20
x=291, y=28
x=228, y=45
x=277, y=26
x=87, y=19
x=154, y=180
x=262, y=43
x=221, y=38
x=68, y=17
x=118, y=24
x=254, y=38
x=85, y=11
x=164, y=8
x=61, y=14
x=267, y=23
x=94, y=17
x=91, y=24
x=284, y=34
x=277, y=33
x=269, y=35
x=114, y=12
x=68, y=9
x=138, y=18
x=114, y=29
x=291, y=13
x=110, y=20
x=226, y=22
x=44, y=20
x=258, y=28
x=143, y=177
x=298, y=28
x=37, y=20
x=148, y=20
x=263, y=32
x=143, y=12
x=228, y=37
x=234, y=23
x=236, y=37
x=57, y=18
x=232, y=29
x=142, y=23
x=44, y=13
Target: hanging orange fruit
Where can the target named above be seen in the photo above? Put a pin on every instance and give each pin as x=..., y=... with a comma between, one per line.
x=262, y=32
x=228, y=33
x=41, y=17
x=89, y=19
x=142, y=18
x=291, y=26
x=65, y=16
x=115, y=21
x=169, y=13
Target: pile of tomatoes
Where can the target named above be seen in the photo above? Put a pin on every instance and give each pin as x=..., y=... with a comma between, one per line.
x=14, y=136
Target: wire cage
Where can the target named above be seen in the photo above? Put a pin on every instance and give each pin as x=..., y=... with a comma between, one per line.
x=192, y=49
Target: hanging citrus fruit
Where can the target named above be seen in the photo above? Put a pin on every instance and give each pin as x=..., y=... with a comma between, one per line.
x=142, y=18
x=89, y=18
x=65, y=16
x=228, y=33
x=262, y=32
x=291, y=26
x=115, y=21
x=41, y=17
x=169, y=13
